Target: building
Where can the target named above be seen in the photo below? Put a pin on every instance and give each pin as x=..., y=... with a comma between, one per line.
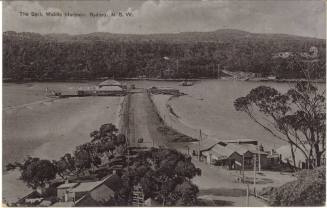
x=110, y=82
x=95, y=193
x=246, y=153
x=217, y=155
x=286, y=156
x=64, y=191
x=106, y=88
x=275, y=160
x=110, y=88
x=110, y=91
x=196, y=148
x=233, y=155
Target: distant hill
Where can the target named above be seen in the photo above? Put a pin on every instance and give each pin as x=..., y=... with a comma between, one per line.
x=190, y=54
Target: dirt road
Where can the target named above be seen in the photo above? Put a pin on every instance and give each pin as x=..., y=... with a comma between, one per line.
x=218, y=187
x=144, y=121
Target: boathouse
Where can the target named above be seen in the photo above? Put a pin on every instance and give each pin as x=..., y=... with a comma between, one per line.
x=110, y=82
x=110, y=88
x=106, y=88
x=110, y=91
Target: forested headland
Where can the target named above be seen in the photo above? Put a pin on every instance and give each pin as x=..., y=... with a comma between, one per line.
x=32, y=56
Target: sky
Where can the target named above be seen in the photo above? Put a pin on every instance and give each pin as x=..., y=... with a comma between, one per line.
x=297, y=17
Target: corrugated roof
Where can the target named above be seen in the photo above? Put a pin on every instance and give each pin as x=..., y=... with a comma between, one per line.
x=110, y=82
x=114, y=182
x=86, y=186
x=67, y=185
x=204, y=144
x=221, y=151
x=240, y=149
x=243, y=148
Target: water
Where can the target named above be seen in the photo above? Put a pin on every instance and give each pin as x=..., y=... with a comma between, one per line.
x=208, y=106
x=41, y=127
x=38, y=126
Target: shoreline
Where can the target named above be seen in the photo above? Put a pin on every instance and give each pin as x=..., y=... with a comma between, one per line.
x=52, y=144
x=164, y=79
x=164, y=114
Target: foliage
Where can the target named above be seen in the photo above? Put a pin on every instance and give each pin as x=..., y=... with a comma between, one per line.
x=164, y=175
x=65, y=165
x=308, y=190
x=35, y=172
x=297, y=117
x=63, y=57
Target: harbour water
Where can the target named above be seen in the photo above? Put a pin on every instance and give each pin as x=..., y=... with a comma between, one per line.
x=208, y=106
x=46, y=127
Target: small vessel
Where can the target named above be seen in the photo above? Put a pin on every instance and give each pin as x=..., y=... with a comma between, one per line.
x=186, y=83
x=52, y=93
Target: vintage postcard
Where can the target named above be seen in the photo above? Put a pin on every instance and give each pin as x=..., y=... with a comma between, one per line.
x=164, y=103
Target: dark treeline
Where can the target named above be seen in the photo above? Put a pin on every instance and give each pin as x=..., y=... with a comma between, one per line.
x=188, y=55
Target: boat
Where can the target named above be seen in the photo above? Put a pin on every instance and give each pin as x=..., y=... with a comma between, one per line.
x=186, y=83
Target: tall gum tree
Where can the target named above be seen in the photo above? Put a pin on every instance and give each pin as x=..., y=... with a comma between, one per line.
x=297, y=117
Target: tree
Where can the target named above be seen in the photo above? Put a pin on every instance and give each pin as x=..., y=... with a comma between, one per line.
x=83, y=159
x=187, y=192
x=308, y=190
x=65, y=165
x=297, y=117
x=164, y=175
x=35, y=172
x=35, y=56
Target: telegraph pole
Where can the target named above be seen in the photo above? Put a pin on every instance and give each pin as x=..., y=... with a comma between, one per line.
x=247, y=195
x=254, y=174
x=259, y=158
x=243, y=168
x=200, y=138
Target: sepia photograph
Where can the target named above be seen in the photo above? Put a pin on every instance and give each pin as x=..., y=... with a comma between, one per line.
x=156, y=103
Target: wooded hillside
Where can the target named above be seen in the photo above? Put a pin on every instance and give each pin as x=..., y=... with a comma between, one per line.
x=194, y=54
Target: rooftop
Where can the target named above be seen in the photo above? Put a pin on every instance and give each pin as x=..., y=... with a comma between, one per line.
x=86, y=186
x=110, y=82
x=63, y=204
x=67, y=185
x=221, y=151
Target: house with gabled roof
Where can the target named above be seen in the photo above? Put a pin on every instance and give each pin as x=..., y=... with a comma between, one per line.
x=94, y=193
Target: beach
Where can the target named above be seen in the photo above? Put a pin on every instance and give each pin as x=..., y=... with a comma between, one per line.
x=208, y=107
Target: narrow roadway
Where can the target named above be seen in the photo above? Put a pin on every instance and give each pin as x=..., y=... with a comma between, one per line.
x=144, y=121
